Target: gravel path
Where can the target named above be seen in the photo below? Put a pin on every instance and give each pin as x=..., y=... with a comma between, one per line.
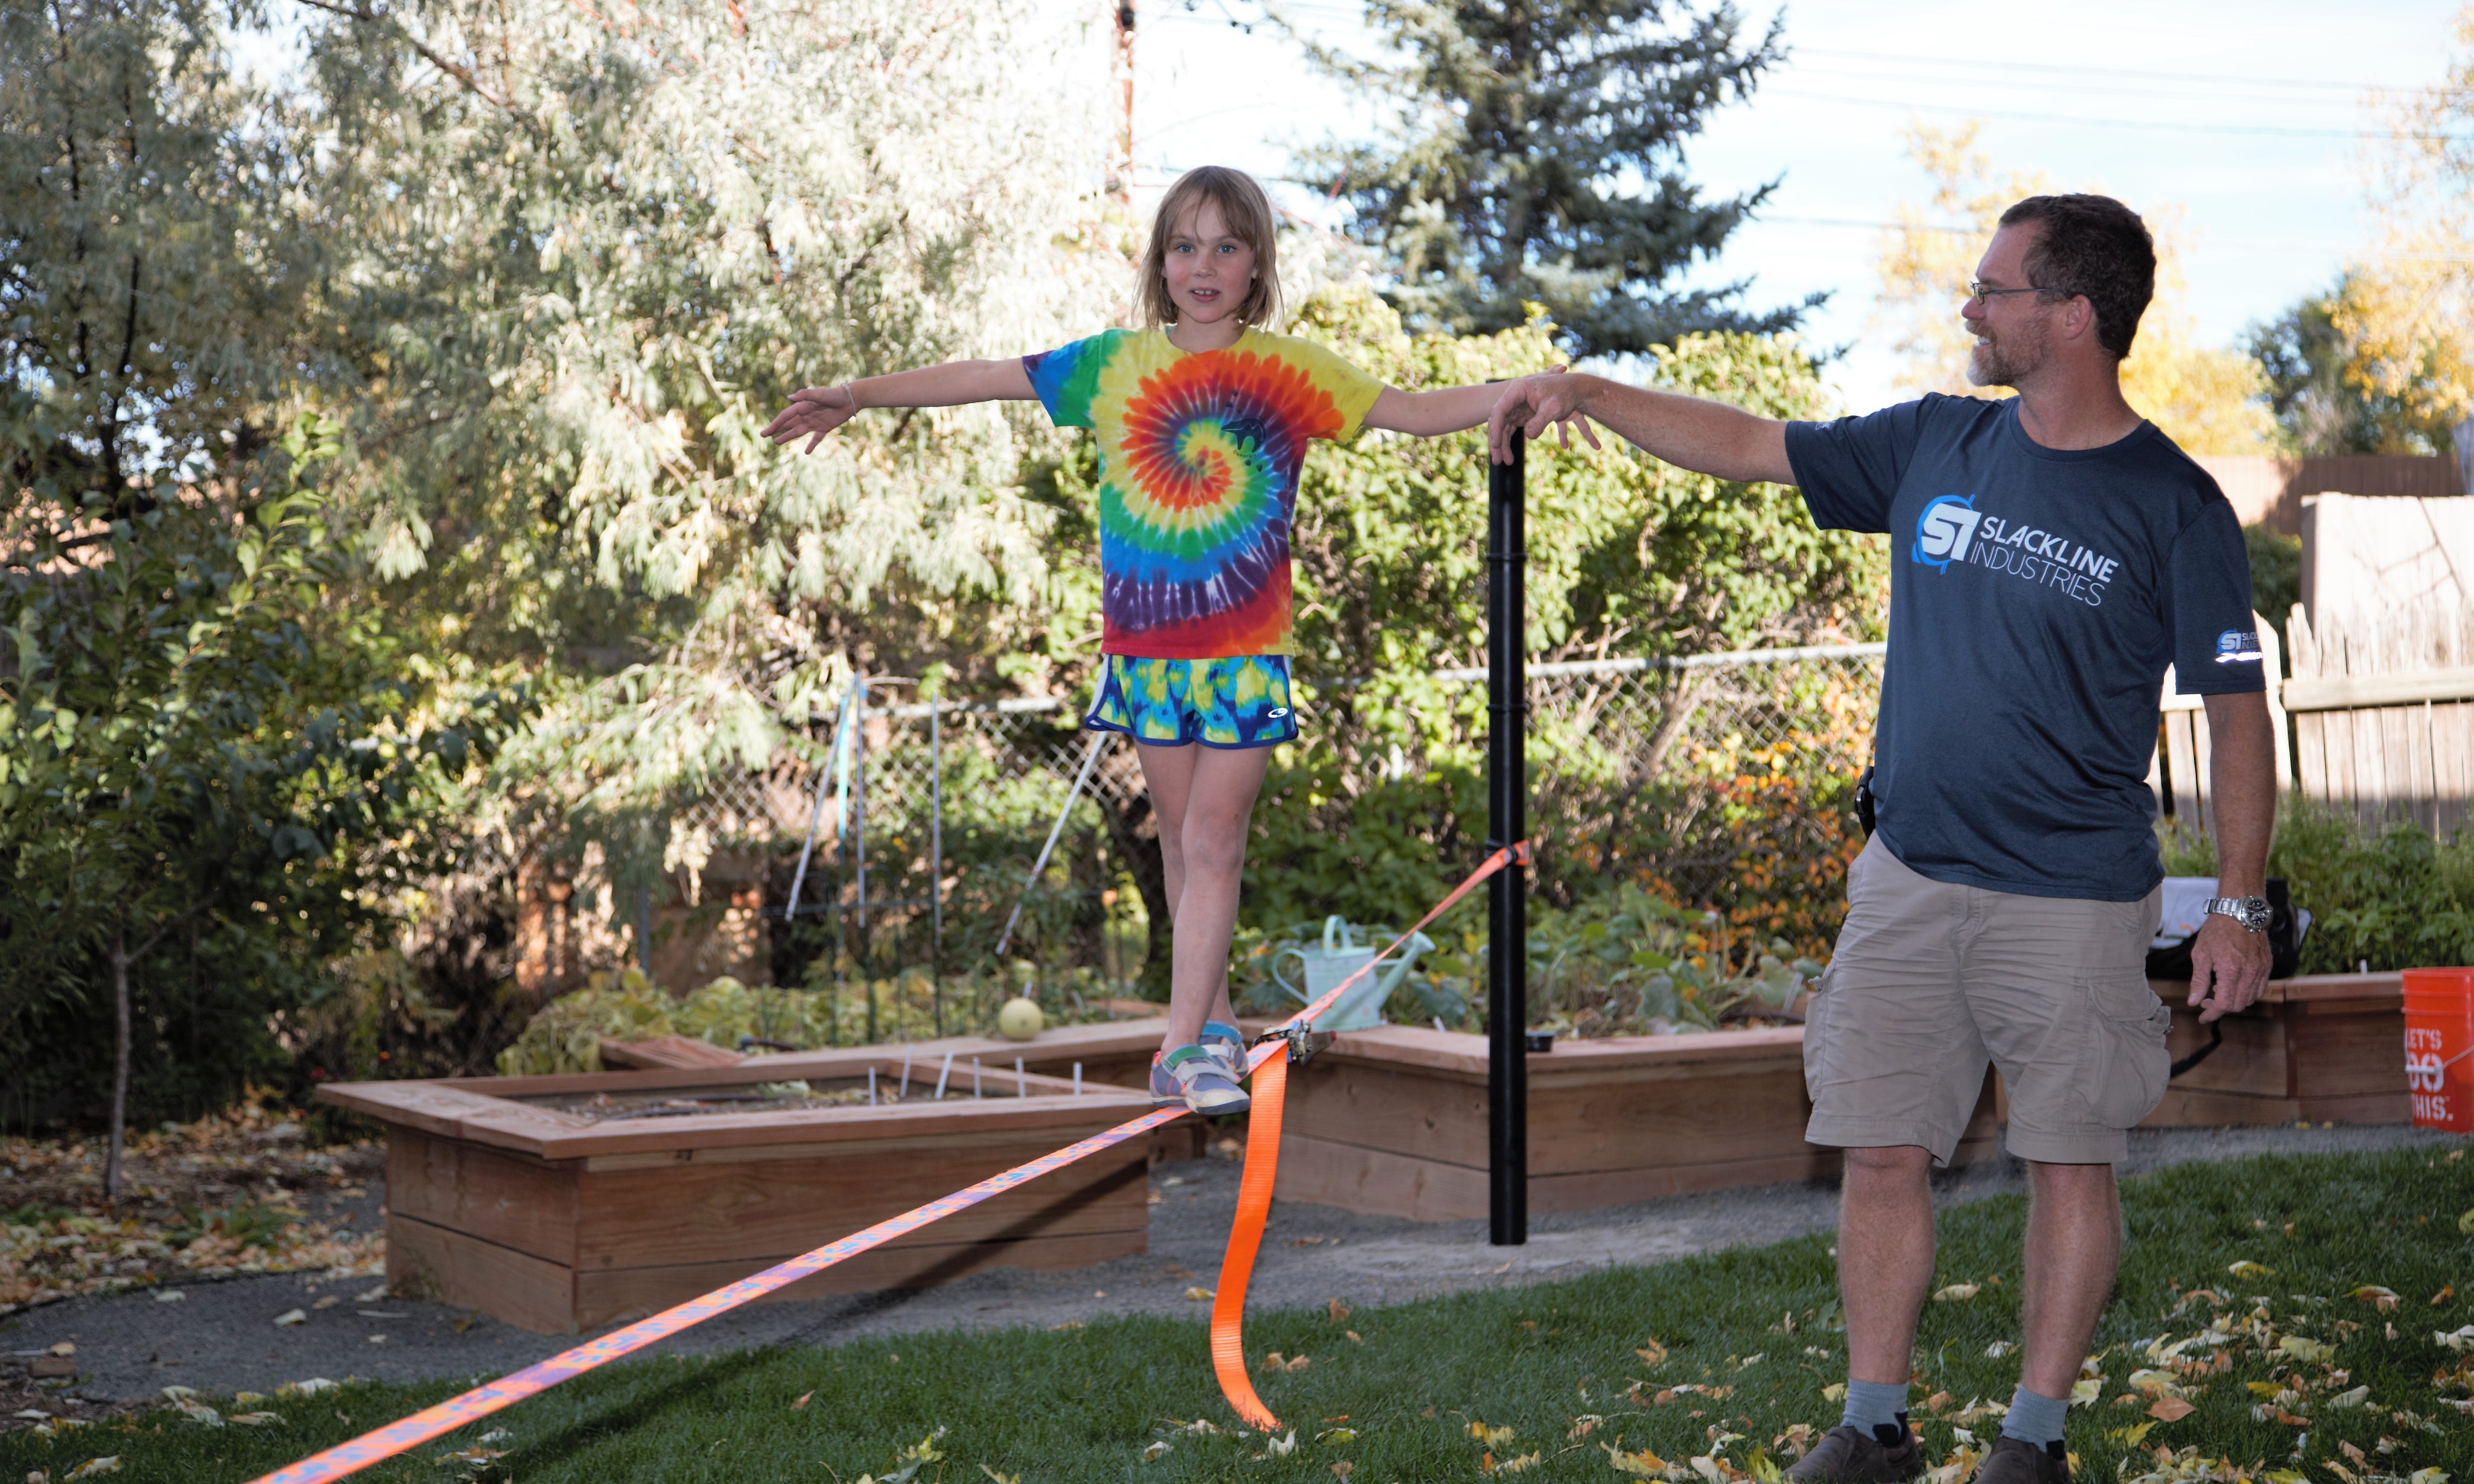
x=221, y=1336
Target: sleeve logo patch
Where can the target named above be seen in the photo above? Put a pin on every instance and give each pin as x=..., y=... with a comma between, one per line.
x=2235, y=647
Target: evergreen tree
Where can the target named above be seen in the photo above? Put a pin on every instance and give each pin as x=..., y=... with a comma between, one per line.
x=1537, y=158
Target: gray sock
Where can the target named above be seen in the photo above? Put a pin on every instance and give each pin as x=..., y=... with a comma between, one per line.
x=1876, y=1404
x=2032, y=1419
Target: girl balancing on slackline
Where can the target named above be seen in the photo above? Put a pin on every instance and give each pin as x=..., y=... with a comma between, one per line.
x=1203, y=418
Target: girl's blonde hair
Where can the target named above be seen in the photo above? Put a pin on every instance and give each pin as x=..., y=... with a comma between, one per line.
x=1246, y=211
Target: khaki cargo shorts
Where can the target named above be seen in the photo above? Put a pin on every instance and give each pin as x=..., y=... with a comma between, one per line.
x=1931, y=981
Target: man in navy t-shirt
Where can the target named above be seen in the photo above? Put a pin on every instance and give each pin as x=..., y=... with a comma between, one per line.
x=2052, y=555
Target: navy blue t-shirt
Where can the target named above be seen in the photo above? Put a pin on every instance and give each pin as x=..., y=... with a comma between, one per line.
x=2036, y=596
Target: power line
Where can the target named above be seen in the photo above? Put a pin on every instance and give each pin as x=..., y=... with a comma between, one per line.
x=1980, y=65
x=2256, y=129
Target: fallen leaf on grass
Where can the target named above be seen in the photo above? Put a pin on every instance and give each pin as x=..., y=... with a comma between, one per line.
x=1336, y=1311
x=1835, y=1391
x=1355, y=1338
x=1001, y=1478
x=2461, y=1339
x=2245, y=1268
x=2130, y=1436
x=1153, y=1451
x=2155, y=1384
x=1957, y=1293
x=198, y=1412
x=2447, y=1291
x=1491, y=1437
x=2087, y=1391
x=1520, y=1464
x=257, y=1419
x=2308, y=1351
x=2349, y=1399
x=472, y=1455
x=802, y=1402
x=2169, y=1409
x=289, y=1317
x=2377, y=1297
x=1344, y=1469
x=95, y=1468
x=1282, y=1447
x=1652, y=1351
x=2465, y=1223
x=1199, y=1294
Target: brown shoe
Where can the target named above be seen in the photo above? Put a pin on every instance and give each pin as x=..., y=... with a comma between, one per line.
x=2015, y=1460
x=1847, y=1454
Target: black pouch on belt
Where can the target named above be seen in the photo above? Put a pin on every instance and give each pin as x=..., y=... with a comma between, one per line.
x=1865, y=800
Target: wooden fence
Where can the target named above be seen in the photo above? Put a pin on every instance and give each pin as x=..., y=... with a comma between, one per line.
x=2272, y=490
x=2376, y=717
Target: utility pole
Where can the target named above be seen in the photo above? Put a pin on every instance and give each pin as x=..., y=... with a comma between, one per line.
x=1124, y=187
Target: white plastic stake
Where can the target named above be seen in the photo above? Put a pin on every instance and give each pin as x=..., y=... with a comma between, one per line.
x=943, y=1073
x=905, y=1091
x=1077, y=1079
x=871, y=1086
x=974, y=1076
x=1018, y=1090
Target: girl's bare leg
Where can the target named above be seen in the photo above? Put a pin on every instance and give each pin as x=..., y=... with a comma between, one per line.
x=1204, y=796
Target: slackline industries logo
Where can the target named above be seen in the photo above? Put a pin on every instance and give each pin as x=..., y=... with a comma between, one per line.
x=2235, y=647
x=1943, y=530
x=1950, y=530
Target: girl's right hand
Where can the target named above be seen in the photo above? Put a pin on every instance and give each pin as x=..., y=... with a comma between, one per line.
x=814, y=412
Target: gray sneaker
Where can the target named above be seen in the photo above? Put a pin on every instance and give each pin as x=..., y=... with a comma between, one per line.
x=2015, y=1460
x=1847, y=1454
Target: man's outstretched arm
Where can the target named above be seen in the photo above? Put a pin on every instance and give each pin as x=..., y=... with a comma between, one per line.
x=1706, y=438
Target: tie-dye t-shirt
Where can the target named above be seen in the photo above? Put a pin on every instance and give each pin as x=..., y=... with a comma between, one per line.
x=1199, y=459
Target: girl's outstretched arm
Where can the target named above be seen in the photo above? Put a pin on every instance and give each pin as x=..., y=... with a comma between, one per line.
x=817, y=411
x=1448, y=410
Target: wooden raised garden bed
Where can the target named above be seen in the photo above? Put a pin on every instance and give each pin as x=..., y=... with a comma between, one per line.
x=1392, y=1121
x=1114, y=1052
x=559, y=1203
x=2321, y=1047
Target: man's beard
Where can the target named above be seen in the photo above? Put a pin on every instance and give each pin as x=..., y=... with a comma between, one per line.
x=2002, y=361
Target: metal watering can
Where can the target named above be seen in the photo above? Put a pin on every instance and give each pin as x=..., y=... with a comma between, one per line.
x=1327, y=968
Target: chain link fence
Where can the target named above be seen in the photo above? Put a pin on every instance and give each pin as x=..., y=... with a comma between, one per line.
x=1722, y=780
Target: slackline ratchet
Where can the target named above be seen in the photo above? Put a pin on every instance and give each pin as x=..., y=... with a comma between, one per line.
x=1253, y=1204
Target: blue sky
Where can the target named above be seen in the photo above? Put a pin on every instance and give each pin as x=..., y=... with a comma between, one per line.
x=2249, y=116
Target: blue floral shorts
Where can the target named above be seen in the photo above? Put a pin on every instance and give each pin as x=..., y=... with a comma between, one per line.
x=1236, y=702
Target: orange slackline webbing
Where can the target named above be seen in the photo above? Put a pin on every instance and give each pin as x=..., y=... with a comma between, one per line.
x=1272, y=1052
x=1253, y=1204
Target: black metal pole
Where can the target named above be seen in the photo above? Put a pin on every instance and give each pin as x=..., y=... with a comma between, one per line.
x=1506, y=812
x=937, y=862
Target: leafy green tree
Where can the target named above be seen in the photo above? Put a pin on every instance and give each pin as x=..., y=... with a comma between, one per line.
x=199, y=750
x=153, y=281
x=589, y=260
x=2319, y=394
x=1537, y=158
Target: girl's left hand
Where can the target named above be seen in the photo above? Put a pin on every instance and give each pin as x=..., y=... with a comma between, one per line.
x=814, y=412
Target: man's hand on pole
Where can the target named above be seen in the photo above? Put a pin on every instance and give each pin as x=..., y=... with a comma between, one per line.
x=2228, y=968
x=1532, y=403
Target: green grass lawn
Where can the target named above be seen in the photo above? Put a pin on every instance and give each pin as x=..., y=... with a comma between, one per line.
x=1705, y=1366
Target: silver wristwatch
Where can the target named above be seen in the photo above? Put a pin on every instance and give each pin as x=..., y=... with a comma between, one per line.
x=2252, y=912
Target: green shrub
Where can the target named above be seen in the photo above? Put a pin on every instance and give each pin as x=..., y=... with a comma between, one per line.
x=1619, y=963
x=2392, y=899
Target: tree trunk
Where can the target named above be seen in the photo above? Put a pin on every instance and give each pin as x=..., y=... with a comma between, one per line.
x=119, y=1061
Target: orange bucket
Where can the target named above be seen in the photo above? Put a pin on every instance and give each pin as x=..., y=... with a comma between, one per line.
x=2439, y=1047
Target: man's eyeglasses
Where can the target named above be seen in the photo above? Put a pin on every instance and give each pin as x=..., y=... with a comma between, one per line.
x=1978, y=291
